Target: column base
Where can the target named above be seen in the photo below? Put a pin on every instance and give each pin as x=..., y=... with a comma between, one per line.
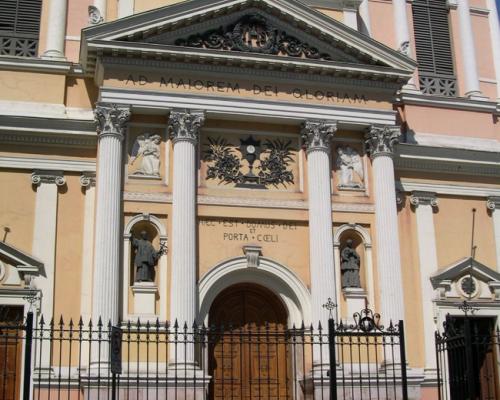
x=54, y=55
x=476, y=95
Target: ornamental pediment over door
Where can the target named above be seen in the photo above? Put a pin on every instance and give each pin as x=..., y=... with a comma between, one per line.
x=467, y=279
x=275, y=34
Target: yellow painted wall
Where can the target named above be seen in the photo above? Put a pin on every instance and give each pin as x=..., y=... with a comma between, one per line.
x=31, y=86
x=17, y=208
x=453, y=224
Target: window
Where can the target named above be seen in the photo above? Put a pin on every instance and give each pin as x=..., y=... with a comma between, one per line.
x=19, y=27
x=433, y=47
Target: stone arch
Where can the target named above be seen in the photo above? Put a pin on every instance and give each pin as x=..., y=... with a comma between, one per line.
x=269, y=274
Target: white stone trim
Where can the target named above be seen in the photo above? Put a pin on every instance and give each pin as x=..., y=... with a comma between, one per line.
x=34, y=65
x=46, y=164
x=250, y=108
x=162, y=267
x=446, y=189
x=367, y=244
x=454, y=141
x=495, y=39
x=270, y=274
x=247, y=202
x=454, y=103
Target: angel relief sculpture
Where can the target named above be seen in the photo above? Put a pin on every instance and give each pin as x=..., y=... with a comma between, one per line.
x=350, y=166
x=147, y=148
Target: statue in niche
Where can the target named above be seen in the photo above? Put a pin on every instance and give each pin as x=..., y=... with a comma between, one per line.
x=147, y=146
x=349, y=266
x=351, y=168
x=145, y=258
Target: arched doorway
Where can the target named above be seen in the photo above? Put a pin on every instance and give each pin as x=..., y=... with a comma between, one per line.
x=248, y=354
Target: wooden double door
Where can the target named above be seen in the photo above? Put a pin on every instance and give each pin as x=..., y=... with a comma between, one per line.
x=10, y=352
x=248, y=355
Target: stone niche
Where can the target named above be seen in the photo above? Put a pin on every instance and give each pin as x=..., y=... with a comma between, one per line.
x=354, y=296
x=143, y=294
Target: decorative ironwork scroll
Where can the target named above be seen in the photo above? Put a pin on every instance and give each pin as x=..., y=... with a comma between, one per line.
x=275, y=158
x=254, y=34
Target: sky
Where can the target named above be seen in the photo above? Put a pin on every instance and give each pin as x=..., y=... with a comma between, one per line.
x=498, y=8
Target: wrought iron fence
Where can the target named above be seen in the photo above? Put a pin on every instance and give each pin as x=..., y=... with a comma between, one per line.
x=71, y=360
x=468, y=361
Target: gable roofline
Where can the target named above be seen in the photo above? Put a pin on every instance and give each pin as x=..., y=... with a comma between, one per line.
x=19, y=257
x=190, y=12
x=466, y=264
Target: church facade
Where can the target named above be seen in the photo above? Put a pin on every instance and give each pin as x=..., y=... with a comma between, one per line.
x=156, y=156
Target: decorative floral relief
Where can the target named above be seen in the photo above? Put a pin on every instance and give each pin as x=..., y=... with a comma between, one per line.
x=268, y=164
x=252, y=33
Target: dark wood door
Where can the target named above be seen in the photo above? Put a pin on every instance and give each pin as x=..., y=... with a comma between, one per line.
x=10, y=352
x=248, y=354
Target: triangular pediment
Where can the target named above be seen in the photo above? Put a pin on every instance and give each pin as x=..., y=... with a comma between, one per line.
x=16, y=265
x=466, y=266
x=287, y=35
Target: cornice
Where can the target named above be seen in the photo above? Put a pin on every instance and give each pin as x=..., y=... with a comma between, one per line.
x=456, y=103
x=448, y=189
x=246, y=202
x=447, y=160
x=31, y=163
x=15, y=129
x=217, y=57
x=35, y=65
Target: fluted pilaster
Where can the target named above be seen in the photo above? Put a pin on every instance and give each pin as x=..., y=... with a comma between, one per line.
x=424, y=203
x=493, y=205
x=111, y=123
x=380, y=141
x=317, y=137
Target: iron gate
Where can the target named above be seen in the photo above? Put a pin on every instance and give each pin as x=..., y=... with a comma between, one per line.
x=467, y=360
x=146, y=361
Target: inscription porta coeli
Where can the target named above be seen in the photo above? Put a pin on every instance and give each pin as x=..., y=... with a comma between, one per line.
x=241, y=230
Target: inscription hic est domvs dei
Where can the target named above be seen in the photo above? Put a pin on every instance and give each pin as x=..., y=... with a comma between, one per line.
x=235, y=88
x=241, y=230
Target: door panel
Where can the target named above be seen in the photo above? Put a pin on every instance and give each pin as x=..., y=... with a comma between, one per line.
x=10, y=352
x=248, y=355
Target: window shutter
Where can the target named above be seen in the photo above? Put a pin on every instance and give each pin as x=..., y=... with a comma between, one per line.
x=432, y=36
x=20, y=16
x=433, y=47
x=19, y=27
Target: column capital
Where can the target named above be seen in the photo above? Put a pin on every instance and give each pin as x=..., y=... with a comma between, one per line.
x=87, y=179
x=420, y=198
x=317, y=135
x=493, y=203
x=111, y=119
x=185, y=125
x=380, y=140
x=50, y=177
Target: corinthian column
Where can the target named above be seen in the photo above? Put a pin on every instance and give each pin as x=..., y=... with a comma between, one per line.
x=493, y=204
x=380, y=143
x=184, y=127
x=317, y=136
x=424, y=202
x=111, y=121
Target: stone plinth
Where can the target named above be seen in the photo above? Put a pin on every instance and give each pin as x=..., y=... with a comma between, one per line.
x=144, y=299
x=356, y=301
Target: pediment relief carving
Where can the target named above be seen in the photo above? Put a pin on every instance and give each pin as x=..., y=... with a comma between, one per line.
x=255, y=32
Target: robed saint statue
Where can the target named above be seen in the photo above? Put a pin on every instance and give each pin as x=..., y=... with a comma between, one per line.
x=349, y=266
x=145, y=258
